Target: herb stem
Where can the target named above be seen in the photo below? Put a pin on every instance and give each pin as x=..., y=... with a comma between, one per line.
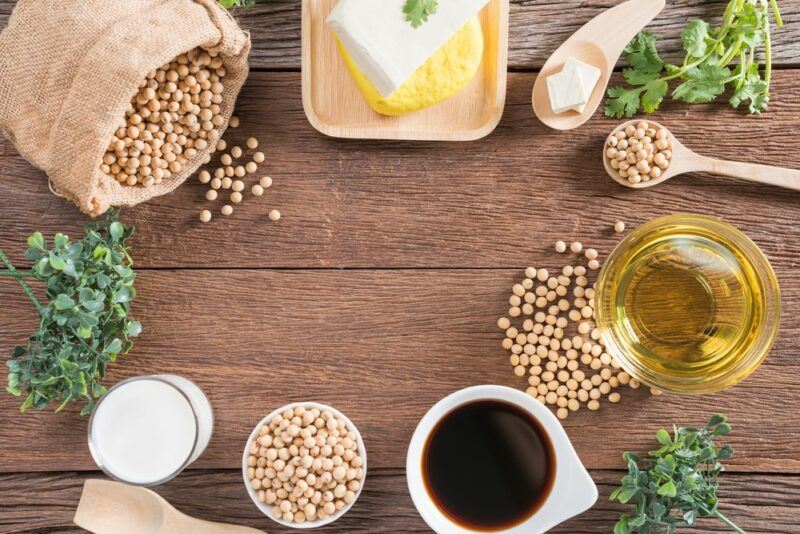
x=18, y=276
x=768, y=51
x=729, y=522
x=777, y=13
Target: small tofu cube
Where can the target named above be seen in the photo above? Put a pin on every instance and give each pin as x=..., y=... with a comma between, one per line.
x=566, y=91
x=589, y=75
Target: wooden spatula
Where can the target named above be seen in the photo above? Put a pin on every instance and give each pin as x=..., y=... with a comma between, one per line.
x=108, y=507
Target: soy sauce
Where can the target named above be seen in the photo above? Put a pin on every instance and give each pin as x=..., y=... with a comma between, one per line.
x=488, y=465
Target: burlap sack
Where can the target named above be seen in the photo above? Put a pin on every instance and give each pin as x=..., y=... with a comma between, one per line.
x=69, y=68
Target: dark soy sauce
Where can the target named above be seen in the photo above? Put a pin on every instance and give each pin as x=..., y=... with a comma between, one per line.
x=488, y=465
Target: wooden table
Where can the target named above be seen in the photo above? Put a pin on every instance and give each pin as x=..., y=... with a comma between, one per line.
x=379, y=289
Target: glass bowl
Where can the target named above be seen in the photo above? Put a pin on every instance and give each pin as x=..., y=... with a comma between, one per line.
x=688, y=304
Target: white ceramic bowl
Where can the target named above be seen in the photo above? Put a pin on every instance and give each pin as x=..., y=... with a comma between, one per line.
x=265, y=508
x=573, y=490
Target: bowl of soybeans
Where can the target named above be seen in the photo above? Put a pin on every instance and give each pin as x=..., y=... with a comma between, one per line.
x=304, y=465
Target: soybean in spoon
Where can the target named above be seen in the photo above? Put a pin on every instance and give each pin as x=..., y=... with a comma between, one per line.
x=685, y=160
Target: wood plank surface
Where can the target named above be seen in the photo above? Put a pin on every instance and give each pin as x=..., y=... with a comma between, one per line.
x=537, y=28
x=379, y=289
x=495, y=203
x=382, y=346
x=758, y=503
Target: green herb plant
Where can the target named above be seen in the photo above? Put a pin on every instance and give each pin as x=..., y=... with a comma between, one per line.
x=84, y=325
x=228, y=4
x=677, y=483
x=418, y=11
x=716, y=60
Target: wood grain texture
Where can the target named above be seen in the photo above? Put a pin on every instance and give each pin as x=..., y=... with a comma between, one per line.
x=379, y=290
x=382, y=346
x=537, y=28
x=759, y=504
x=496, y=203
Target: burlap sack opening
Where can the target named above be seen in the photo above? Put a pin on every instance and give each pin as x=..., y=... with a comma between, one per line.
x=68, y=70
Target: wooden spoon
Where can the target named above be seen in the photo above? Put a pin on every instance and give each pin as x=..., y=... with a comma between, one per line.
x=599, y=42
x=684, y=160
x=108, y=507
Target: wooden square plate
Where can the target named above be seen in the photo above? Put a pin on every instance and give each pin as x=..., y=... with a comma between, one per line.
x=335, y=106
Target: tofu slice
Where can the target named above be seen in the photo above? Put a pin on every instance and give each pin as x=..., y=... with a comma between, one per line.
x=571, y=89
x=385, y=46
x=566, y=91
x=588, y=74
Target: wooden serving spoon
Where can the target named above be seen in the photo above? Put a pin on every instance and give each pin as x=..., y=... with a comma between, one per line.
x=684, y=160
x=599, y=42
x=108, y=507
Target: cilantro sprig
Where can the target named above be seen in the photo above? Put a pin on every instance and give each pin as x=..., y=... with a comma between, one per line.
x=677, y=483
x=716, y=60
x=418, y=11
x=85, y=323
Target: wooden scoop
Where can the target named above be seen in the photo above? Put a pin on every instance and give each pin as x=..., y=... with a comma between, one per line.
x=108, y=507
x=599, y=42
x=684, y=160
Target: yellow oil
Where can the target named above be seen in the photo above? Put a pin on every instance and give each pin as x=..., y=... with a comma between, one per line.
x=686, y=306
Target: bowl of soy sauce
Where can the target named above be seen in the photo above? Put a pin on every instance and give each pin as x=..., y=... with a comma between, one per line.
x=493, y=459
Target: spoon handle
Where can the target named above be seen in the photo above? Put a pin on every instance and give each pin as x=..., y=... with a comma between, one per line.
x=765, y=174
x=617, y=26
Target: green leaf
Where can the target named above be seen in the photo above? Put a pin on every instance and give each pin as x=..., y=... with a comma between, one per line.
x=663, y=437
x=116, y=230
x=114, y=346
x=667, y=489
x=622, y=102
x=56, y=263
x=723, y=429
x=642, y=53
x=704, y=84
x=623, y=525
x=64, y=404
x=227, y=4
x=418, y=11
x=755, y=93
x=13, y=384
x=639, y=77
x=694, y=37
x=88, y=408
x=689, y=517
x=654, y=94
x=124, y=294
x=134, y=329
x=638, y=521
x=626, y=494
x=36, y=241
x=63, y=302
x=28, y=402
x=61, y=240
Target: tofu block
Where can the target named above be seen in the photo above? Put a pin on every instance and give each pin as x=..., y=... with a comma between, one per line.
x=384, y=45
x=589, y=74
x=565, y=91
x=571, y=89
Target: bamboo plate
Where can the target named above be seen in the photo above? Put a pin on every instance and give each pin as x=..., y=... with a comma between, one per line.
x=335, y=106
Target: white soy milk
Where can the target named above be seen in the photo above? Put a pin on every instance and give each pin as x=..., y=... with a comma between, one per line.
x=148, y=429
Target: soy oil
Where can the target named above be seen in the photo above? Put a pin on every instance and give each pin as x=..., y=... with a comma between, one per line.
x=686, y=304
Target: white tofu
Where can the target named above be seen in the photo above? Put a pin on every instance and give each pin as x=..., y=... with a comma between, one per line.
x=589, y=74
x=565, y=91
x=385, y=46
x=571, y=89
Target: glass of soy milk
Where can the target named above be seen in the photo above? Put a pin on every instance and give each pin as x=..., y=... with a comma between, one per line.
x=147, y=429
